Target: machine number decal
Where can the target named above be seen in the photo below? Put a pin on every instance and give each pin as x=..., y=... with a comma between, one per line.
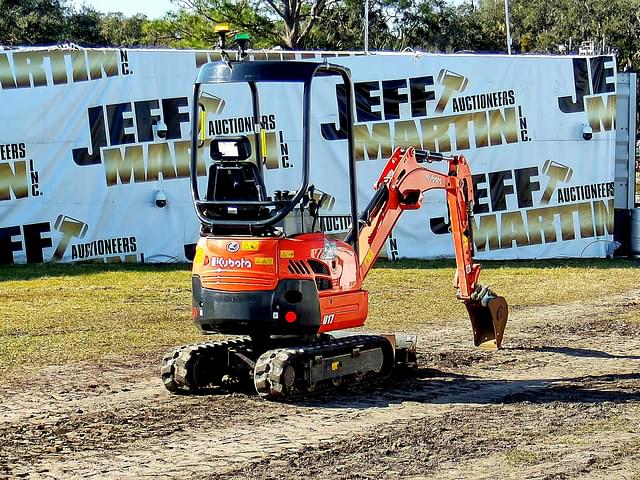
x=328, y=319
x=233, y=247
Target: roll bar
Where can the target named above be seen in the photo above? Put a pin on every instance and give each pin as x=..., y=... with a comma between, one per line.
x=256, y=72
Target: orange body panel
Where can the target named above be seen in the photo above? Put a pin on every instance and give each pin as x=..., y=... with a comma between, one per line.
x=347, y=310
x=254, y=263
x=235, y=264
x=245, y=264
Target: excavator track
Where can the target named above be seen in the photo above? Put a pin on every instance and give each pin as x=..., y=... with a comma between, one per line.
x=192, y=368
x=290, y=373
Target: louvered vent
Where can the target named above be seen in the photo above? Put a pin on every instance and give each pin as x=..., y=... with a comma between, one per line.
x=299, y=267
x=318, y=267
x=323, y=283
x=323, y=279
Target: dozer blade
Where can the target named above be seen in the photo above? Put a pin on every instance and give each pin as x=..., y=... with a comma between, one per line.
x=488, y=322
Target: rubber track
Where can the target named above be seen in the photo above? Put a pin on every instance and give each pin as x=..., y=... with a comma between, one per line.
x=272, y=376
x=190, y=368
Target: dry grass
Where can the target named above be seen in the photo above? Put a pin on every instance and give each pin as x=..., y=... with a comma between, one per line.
x=410, y=294
x=59, y=314
x=520, y=457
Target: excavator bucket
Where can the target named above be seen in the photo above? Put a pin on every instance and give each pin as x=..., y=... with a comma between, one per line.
x=488, y=322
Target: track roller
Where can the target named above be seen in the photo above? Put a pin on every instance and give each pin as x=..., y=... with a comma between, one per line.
x=290, y=373
x=192, y=368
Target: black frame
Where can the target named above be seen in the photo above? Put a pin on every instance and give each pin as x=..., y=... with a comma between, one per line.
x=273, y=71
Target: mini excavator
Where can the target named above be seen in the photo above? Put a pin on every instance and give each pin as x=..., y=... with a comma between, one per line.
x=265, y=271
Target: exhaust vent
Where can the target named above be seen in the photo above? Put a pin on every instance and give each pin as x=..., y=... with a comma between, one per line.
x=298, y=267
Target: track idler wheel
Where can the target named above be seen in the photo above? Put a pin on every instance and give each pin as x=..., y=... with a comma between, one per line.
x=488, y=319
x=167, y=371
x=262, y=372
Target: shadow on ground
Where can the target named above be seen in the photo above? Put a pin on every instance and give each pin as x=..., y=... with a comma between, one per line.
x=437, y=387
x=429, y=385
x=580, y=352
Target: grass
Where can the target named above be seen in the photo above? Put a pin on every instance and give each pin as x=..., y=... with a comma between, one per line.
x=60, y=314
x=56, y=314
x=519, y=457
x=410, y=294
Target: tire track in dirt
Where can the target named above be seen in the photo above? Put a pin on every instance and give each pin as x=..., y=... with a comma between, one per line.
x=119, y=422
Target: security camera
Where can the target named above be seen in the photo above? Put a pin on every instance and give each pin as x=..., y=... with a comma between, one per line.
x=161, y=129
x=587, y=132
x=161, y=199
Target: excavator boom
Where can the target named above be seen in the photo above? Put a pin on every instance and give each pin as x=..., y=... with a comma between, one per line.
x=401, y=187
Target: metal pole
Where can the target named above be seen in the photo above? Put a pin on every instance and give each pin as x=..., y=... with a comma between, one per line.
x=506, y=19
x=366, y=26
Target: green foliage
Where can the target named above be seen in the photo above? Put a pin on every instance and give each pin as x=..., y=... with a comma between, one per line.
x=284, y=23
x=182, y=29
x=84, y=27
x=32, y=22
x=342, y=27
x=428, y=25
x=544, y=25
x=120, y=31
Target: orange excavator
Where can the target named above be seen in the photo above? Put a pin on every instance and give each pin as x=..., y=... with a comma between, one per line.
x=264, y=269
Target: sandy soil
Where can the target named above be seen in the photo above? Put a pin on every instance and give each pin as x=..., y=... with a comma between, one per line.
x=561, y=400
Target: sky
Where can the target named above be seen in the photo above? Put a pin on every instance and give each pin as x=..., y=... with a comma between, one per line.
x=151, y=8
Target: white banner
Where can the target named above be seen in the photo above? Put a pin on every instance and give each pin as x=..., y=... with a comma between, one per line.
x=81, y=161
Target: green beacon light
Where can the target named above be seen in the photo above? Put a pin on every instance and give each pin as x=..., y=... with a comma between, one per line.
x=242, y=39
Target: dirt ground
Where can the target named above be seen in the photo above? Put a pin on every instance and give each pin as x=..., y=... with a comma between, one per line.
x=561, y=400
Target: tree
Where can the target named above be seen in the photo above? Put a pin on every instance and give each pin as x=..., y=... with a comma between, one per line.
x=120, y=31
x=425, y=25
x=83, y=27
x=32, y=22
x=470, y=32
x=287, y=23
x=543, y=25
x=342, y=27
x=181, y=29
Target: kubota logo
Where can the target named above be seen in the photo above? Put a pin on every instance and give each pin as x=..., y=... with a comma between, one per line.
x=219, y=262
x=233, y=247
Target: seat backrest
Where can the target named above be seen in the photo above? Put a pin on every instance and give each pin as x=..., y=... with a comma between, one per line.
x=229, y=181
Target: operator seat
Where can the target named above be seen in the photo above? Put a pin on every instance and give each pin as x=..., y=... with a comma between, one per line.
x=235, y=178
x=241, y=181
x=236, y=181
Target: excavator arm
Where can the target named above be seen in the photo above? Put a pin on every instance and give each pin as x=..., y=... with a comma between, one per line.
x=401, y=187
